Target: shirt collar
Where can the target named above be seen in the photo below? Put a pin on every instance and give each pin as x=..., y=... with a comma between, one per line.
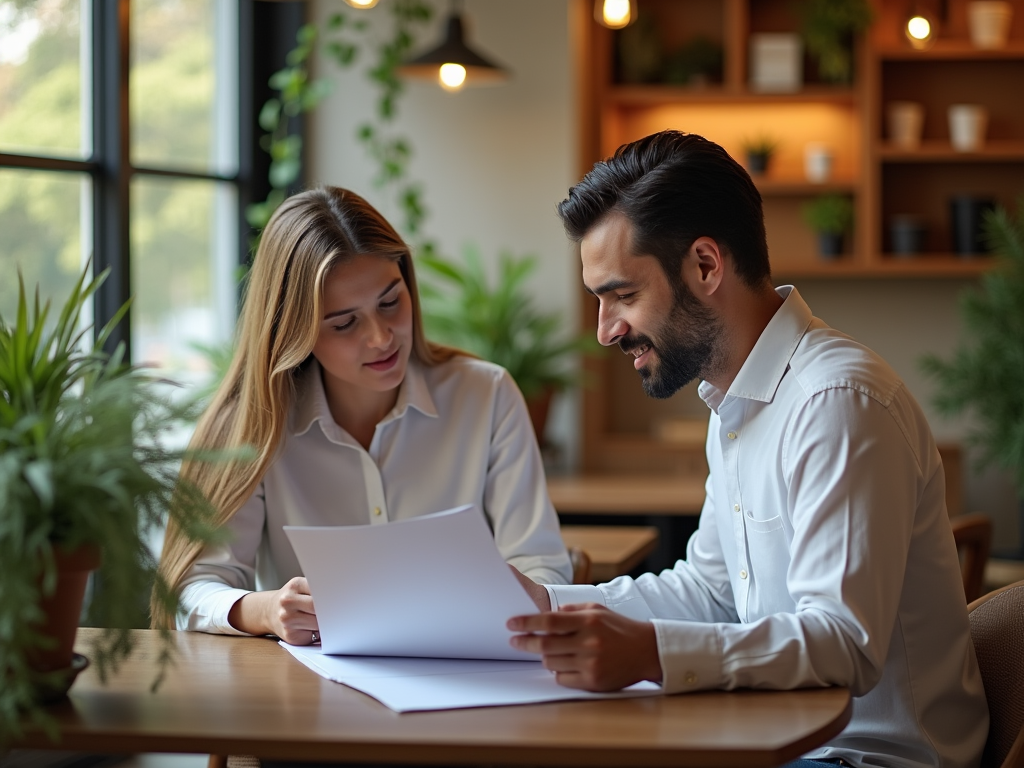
x=762, y=371
x=311, y=399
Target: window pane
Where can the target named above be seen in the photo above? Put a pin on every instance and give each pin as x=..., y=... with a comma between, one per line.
x=44, y=71
x=45, y=230
x=184, y=255
x=183, y=85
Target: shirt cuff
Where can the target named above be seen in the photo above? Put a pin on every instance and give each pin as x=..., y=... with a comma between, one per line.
x=690, y=655
x=573, y=594
x=211, y=605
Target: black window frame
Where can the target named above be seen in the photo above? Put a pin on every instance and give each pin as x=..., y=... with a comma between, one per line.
x=266, y=32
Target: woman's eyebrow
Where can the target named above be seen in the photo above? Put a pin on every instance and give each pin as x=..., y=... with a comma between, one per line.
x=381, y=295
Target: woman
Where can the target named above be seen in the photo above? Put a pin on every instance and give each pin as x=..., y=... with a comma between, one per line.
x=356, y=419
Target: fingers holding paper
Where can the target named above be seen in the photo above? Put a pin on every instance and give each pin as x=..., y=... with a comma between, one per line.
x=287, y=612
x=590, y=647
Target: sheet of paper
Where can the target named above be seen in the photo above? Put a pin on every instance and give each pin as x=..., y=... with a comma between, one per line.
x=411, y=685
x=433, y=586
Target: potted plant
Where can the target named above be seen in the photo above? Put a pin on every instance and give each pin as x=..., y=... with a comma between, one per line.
x=758, y=151
x=84, y=480
x=500, y=323
x=985, y=372
x=828, y=28
x=831, y=217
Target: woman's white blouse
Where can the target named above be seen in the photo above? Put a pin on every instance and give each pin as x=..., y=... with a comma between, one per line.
x=458, y=434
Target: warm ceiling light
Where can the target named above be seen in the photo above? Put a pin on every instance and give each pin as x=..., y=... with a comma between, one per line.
x=362, y=3
x=920, y=31
x=615, y=14
x=451, y=76
x=453, y=64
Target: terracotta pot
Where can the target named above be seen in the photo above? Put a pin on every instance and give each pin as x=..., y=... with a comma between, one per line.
x=538, y=406
x=62, y=609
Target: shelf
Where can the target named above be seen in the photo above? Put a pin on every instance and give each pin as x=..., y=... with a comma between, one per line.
x=769, y=187
x=917, y=266
x=942, y=151
x=952, y=50
x=652, y=95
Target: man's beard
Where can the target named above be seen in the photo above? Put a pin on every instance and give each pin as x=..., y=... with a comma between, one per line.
x=687, y=346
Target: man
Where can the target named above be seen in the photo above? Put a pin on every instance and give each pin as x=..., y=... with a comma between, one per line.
x=823, y=554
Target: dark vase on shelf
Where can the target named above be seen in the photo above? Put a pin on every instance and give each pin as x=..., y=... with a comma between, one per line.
x=907, y=234
x=830, y=244
x=757, y=163
x=967, y=219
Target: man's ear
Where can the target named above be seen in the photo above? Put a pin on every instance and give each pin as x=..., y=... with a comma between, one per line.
x=704, y=266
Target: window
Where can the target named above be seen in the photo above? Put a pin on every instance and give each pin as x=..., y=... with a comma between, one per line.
x=119, y=139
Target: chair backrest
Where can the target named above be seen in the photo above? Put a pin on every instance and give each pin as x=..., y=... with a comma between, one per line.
x=580, y=565
x=997, y=629
x=973, y=537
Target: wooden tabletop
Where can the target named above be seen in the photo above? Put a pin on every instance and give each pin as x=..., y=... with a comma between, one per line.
x=627, y=494
x=233, y=695
x=613, y=550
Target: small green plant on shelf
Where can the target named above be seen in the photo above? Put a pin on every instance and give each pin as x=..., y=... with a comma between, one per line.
x=498, y=321
x=758, y=150
x=828, y=28
x=85, y=478
x=831, y=218
x=984, y=374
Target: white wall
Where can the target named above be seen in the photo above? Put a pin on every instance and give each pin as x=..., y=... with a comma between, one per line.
x=495, y=161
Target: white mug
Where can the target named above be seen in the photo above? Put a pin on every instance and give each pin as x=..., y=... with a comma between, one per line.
x=906, y=119
x=817, y=162
x=967, y=125
x=989, y=23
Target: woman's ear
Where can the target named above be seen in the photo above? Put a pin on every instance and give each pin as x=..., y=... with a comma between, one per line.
x=704, y=266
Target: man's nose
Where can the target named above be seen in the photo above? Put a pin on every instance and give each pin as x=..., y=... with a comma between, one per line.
x=610, y=329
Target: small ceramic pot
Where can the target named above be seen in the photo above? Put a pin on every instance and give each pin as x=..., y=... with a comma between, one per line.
x=906, y=120
x=757, y=163
x=967, y=126
x=989, y=23
x=817, y=163
x=907, y=234
x=967, y=220
x=830, y=244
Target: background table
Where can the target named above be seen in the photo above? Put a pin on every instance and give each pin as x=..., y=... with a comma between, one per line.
x=613, y=550
x=627, y=494
x=231, y=695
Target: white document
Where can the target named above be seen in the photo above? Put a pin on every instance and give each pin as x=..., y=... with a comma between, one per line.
x=433, y=586
x=411, y=685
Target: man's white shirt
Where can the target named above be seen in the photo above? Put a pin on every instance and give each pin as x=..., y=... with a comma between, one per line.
x=823, y=554
x=459, y=434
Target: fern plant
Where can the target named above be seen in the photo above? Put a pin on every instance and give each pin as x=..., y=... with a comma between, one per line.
x=82, y=461
x=985, y=374
x=499, y=322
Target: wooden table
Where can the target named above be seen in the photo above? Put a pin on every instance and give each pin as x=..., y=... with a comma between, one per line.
x=626, y=495
x=230, y=695
x=613, y=550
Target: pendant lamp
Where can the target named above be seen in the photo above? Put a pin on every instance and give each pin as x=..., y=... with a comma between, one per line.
x=453, y=64
x=615, y=14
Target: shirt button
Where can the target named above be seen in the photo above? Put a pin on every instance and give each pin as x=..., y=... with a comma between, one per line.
x=731, y=435
x=690, y=678
x=376, y=511
x=743, y=574
x=736, y=507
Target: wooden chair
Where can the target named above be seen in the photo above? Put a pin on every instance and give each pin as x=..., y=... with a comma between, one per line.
x=580, y=566
x=997, y=629
x=973, y=537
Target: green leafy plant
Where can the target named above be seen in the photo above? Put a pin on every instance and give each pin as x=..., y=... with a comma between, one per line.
x=828, y=27
x=760, y=144
x=985, y=372
x=830, y=214
x=82, y=462
x=499, y=322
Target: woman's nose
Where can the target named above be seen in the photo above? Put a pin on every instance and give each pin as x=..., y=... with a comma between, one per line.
x=380, y=335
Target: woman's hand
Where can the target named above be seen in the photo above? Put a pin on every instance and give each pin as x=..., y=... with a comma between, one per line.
x=287, y=612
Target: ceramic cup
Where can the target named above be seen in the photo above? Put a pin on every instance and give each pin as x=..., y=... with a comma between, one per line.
x=817, y=162
x=906, y=119
x=989, y=23
x=967, y=125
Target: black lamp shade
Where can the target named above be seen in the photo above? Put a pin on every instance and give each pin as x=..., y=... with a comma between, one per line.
x=454, y=51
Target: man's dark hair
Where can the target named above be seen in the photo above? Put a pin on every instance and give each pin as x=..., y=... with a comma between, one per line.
x=675, y=187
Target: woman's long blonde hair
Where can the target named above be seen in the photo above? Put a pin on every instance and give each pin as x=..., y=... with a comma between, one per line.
x=308, y=235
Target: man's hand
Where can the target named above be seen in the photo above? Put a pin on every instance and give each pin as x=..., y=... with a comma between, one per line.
x=537, y=593
x=287, y=612
x=590, y=647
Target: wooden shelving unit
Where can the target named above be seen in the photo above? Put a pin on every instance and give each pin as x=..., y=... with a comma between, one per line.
x=882, y=180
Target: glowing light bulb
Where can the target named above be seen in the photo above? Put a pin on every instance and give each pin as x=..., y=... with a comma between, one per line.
x=452, y=76
x=919, y=31
x=615, y=14
x=361, y=3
